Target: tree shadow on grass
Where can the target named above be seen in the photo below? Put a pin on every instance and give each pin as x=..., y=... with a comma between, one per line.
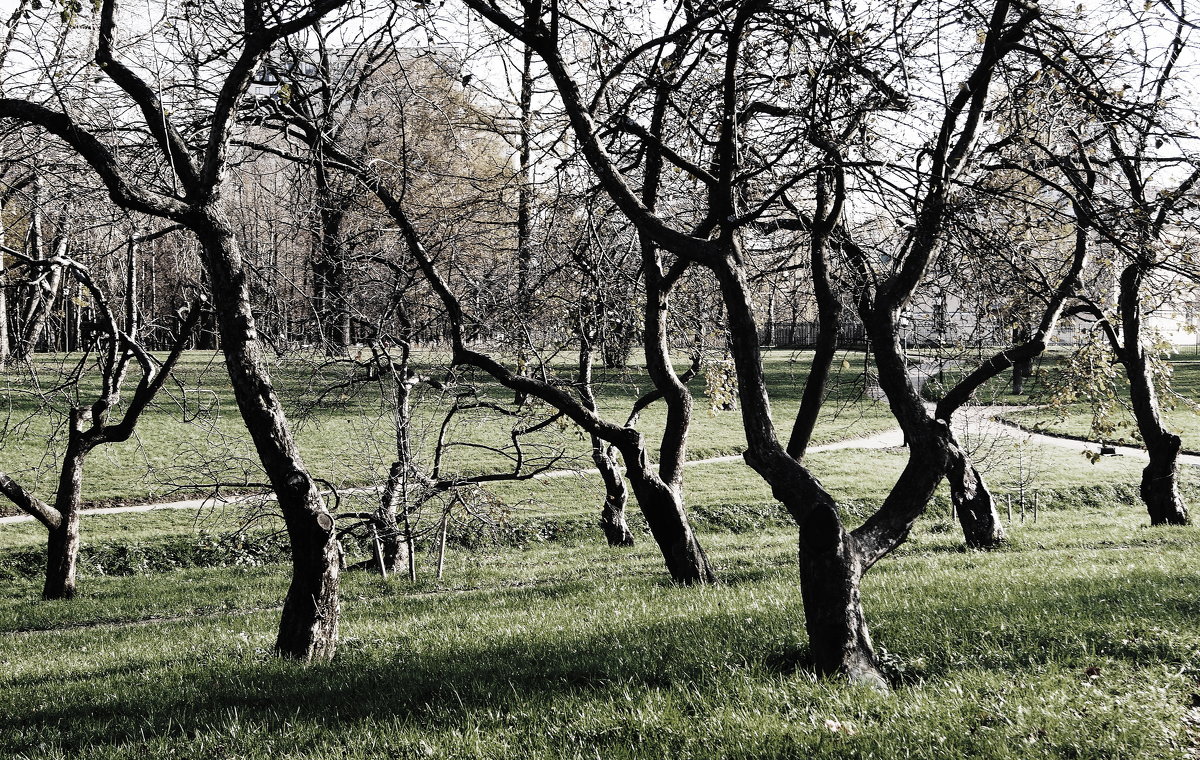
x=444, y=683
x=367, y=683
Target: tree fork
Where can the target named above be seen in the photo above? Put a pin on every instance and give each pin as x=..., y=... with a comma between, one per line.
x=830, y=577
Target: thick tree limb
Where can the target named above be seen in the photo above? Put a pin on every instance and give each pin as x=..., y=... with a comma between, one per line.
x=27, y=502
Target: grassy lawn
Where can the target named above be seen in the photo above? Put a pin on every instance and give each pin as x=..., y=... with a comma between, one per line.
x=1077, y=641
x=196, y=438
x=860, y=479
x=1075, y=420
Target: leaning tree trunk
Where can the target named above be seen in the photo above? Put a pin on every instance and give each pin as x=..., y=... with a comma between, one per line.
x=62, y=542
x=36, y=316
x=1160, y=486
x=973, y=503
x=308, y=629
x=663, y=509
x=612, y=514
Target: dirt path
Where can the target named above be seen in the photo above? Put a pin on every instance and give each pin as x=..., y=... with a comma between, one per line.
x=983, y=420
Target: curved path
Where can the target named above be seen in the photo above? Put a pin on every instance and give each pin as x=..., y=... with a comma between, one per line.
x=982, y=420
x=971, y=421
x=884, y=440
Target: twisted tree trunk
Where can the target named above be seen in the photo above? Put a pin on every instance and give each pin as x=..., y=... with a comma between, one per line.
x=1160, y=486
x=612, y=513
x=1160, y=482
x=830, y=575
x=973, y=503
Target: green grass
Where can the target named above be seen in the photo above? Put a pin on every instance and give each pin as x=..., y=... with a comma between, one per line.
x=1076, y=641
x=1076, y=420
x=855, y=477
x=196, y=437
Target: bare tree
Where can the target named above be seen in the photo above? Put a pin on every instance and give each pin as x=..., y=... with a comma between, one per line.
x=730, y=41
x=191, y=160
x=658, y=489
x=1132, y=178
x=91, y=424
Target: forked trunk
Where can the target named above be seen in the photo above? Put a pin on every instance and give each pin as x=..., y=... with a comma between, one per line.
x=830, y=574
x=664, y=512
x=973, y=503
x=612, y=514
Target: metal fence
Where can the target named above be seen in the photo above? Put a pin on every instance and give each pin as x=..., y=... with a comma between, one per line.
x=804, y=334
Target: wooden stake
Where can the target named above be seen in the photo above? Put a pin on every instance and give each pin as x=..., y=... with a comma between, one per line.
x=412, y=549
x=412, y=558
x=378, y=549
x=442, y=543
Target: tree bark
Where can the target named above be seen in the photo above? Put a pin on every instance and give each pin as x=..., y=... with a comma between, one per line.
x=1159, y=487
x=308, y=629
x=393, y=538
x=830, y=559
x=3, y=297
x=973, y=503
x=612, y=513
x=62, y=553
x=62, y=543
x=132, y=323
x=331, y=275
x=830, y=574
x=1022, y=368
x=662, y=505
